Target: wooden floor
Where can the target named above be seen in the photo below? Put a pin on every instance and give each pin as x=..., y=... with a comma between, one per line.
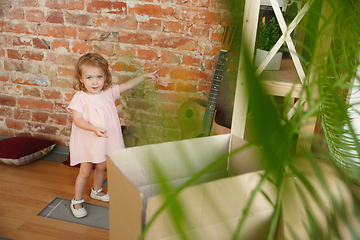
x=26, y=190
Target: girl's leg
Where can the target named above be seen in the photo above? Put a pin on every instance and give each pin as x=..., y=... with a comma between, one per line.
x=99, y=176
x=81, y=180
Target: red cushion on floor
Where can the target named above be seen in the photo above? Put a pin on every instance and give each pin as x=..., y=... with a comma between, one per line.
x=23, y=150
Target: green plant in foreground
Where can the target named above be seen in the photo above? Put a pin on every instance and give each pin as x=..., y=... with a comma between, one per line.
x=331, y=67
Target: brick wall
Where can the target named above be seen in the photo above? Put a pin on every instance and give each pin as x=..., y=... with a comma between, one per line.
x=41, y=41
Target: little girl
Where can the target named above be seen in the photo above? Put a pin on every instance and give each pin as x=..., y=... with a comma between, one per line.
x=96, y=129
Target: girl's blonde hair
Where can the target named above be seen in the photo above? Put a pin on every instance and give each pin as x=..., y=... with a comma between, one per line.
x=96, y=60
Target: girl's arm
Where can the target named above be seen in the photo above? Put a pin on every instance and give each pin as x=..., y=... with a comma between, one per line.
x=81, y=123
x=137, y=80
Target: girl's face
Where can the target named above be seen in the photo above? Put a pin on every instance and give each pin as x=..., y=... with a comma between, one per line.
x=93, y=79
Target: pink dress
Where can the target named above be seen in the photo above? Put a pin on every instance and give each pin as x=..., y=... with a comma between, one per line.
x=100, y=111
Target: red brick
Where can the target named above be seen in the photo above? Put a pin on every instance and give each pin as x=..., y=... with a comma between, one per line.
x=52, y=94
x=42, y=128
x=61, y=108
x=4, y=79
x=150, y=66
x=69, y=32
x=220, y=4
x=119, y=66
x=16, y=13
x=21, y=66
x=63, y=71
x=210, y=64
x=7, y=101
x=68, y=4
x=13, y=65
x=176, y=42
x=169, y=57
x=173, y=26
x=79, y=19
x=34, y=104
x=204, y=88
x=199, y=3
x=104, y=49
x=196, y=30
x=60, y=44
x=147, y=54
x=105, y=22
x=163, y=86
x=150, y=25
x=27, y=28
x=107, y=7
x=151, y=10
x=35, y=16
x=212, y=49
x=62, y=83
x=185, y=87
x=29, y=67
x=50, y=31
x=124, y=51
x=41, y=43
x=12, y=124
x=126, y=23
x=55, y=17
x=49, y=70
x=191, y=60
x=56, y=31
x=6, y=112
x=133, y=67
x=14, y=54
x=34, y=92
x=59, y=119
x=28, y=3
x=21, y=41
x=62, y=59
x=89, y=34
x=215, y=37
x=81, y=48
x=135, y=38
x=2, y=52
x=40, y=117
x=33, y=55
x=188, y=74
x=200, y=16
x=22, y=114
x=3, y=26
x=69, y=96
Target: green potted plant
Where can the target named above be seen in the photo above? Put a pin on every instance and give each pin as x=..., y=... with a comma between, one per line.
x=268, y=34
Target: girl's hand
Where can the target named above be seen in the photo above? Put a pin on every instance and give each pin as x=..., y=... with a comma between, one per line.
x=100, y=132
x=154, y=75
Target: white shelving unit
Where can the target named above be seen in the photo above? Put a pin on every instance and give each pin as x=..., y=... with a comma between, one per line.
x=278, y=83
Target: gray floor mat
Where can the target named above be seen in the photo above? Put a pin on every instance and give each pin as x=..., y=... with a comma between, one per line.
x=59, y=208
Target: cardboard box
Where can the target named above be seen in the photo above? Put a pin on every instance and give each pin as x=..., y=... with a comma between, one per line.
x=215, y=203
x=132, y=182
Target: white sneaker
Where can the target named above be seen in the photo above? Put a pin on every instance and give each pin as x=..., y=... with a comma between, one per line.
x=80, y=212
x=95, y=195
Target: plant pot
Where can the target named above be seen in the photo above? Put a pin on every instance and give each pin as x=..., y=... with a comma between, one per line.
x=274, y=63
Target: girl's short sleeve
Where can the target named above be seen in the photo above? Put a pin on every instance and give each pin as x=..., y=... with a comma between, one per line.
x=114, y=92
x=76, y=104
